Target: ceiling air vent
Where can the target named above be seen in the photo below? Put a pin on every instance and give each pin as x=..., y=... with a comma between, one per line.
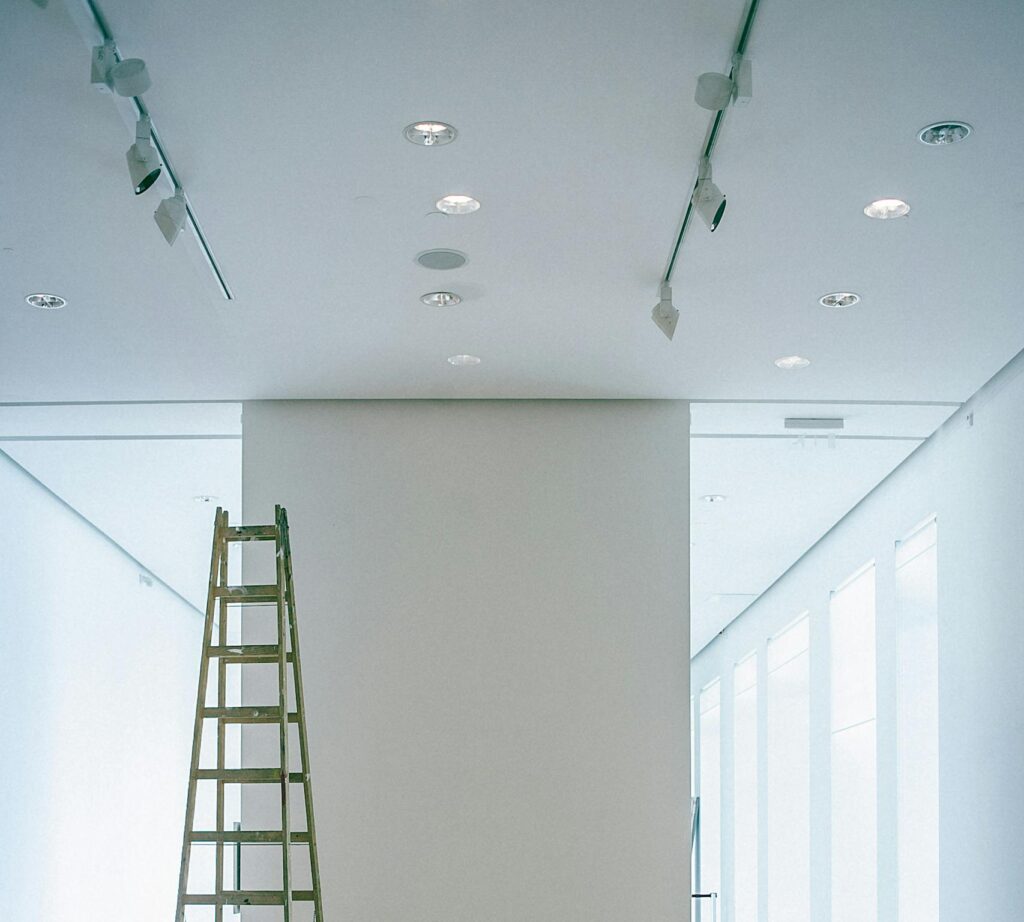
x=814, y=422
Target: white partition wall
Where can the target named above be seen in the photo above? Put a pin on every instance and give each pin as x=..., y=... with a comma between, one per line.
x=907, y=689
x=493, y=607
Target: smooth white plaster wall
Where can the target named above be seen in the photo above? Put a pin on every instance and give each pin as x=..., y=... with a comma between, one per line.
x=972, y=478
x=494, y=629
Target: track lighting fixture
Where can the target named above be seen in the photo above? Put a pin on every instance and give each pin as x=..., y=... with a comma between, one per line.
x=143, y=162
x=664, y=313
x=170, y=215
x=707, y=197
x=715, y=91
x=126, y=78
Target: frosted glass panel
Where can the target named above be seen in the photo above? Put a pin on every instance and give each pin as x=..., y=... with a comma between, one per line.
x=98, y=671
x=745, y=791
x=788, y=782
x=854, y=772
x=917, y=720
x=710, y=788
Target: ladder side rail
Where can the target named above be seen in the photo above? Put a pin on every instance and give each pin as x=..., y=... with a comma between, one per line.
x=282, y=679
x=222, y=671
x=190, y=803
x=300, y=710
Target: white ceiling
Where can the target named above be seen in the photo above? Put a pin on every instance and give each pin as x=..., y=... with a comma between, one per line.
x=579, y=134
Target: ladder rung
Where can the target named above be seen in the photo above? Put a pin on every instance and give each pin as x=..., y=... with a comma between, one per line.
x=250, y=652
x=247, y=775
x=245, y=837
x=251, y=533
x=252, y=594
x=246, y=898
x=250, y=715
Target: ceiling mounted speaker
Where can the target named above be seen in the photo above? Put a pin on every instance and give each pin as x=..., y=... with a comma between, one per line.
x=442, y=259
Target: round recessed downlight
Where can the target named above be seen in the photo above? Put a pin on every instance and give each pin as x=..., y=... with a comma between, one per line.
x=46, y=302
x=430, y=134
x=714, y=498
x=943, y=133
x=884, y=208
x=461, y=361
x=839, y=299
x=792, y=361
x=441, y=299
x=442, y=259
x=457, y=204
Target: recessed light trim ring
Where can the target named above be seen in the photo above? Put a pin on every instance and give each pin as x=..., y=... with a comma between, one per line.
x=441, y=299
x=457, y=204
x=790, y=362
x=463, y=361
x=839, y=299
x=428, y=133
x=884, y=209
x=942, y=134
x=46, y=302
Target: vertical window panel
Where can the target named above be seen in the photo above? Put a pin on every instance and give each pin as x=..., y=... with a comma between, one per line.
x=854, y=772
x=917, y=725
x=788, y=782
x=711, y=788
x=745, y=790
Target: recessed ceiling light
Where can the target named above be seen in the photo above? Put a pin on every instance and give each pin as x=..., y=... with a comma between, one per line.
x=792, y=361
x=839, y=299
x=885, y=208
x=440, y=299
x=442, y=259
x=457, y=204
x=46, y=302
x=430, y=134
x=204, y=498
x=714, y=498
x=942, y=133
x=463, y=360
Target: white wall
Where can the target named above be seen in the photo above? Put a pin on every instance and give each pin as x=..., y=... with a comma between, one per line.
x=97, y=680
x=493, y=605
x=971, y=477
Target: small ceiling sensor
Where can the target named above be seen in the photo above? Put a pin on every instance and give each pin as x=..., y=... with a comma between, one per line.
x=204, y=498
x=789, y=362
x=457, y=204
x=839, y=299
x=714, y=498
x=461, y=361
x=442, y=259
x=441, y=299
x=46, y=302
x=942, y=134
x=884, y=208
x=430, y=134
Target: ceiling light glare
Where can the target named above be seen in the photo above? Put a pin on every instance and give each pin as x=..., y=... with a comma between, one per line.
x=789, y=362
x=458, y=204
x=430, y=134
x=942, y=134
x=441, y=299
x=463, y=361
x=839, y=299
x=143, y=162
x=714, y=498
x=170, y=216
x=885, y=208
x=46, y=302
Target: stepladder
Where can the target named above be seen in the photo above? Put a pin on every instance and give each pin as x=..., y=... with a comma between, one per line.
x=211, y=882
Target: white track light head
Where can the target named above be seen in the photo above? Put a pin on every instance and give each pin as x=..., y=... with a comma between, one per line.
x=664, y=314
x=707, y=197
x=170, y=216
x=143, y=162
x=127, y=78
x=714, y=91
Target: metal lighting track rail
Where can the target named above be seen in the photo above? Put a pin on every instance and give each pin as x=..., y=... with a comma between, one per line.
x=711, y=139
x=141, y=111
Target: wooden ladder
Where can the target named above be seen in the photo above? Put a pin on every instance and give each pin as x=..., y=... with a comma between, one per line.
x=285, y=653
